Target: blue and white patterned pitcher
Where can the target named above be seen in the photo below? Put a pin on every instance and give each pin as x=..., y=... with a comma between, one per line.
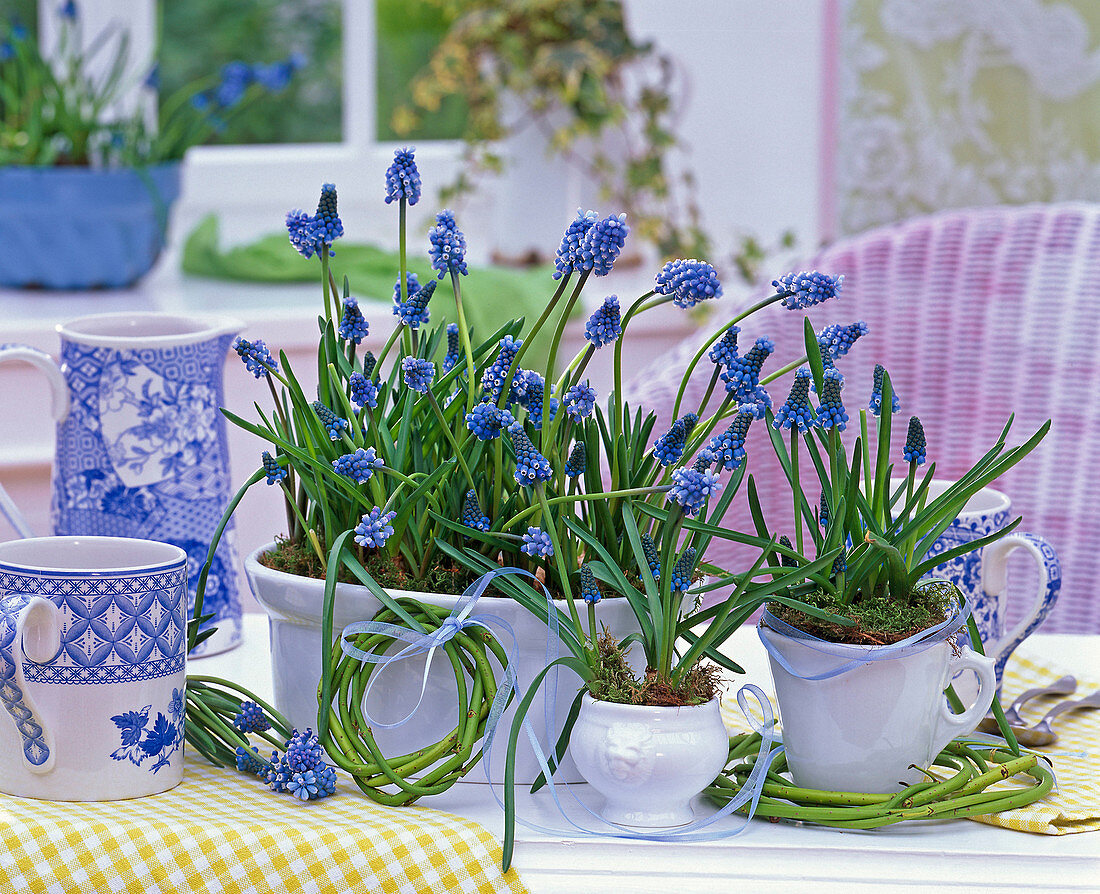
x=141, y=445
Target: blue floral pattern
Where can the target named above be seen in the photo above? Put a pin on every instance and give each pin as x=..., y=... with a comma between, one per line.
x=155, y=739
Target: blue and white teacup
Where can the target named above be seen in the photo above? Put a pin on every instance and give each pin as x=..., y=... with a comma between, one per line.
x=92, y=667
x=982, y=575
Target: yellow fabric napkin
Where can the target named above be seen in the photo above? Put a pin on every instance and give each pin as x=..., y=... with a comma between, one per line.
x=222, y=831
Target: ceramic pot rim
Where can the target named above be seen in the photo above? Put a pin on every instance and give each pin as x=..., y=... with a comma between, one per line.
x=129, y=330
x=173, y=556
x=659, y=710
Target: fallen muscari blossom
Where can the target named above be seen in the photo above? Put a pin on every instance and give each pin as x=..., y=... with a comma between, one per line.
x=727, y=450
x=251, y=718
x=374, y=528
x=875, y=403
x=724, y=351
x=669, y=447
x=487, y=420
x=683, y=569
x=333, y=424
x=452, y=355
x=796, y=411
x=301, y=771
x=414, y=312
x=831, y=412
x=568, y=252
x=537, y=542
x=448, y=246
x=653, y=560
x=688, y=281
x=402, y=177
x=605, y=324
x=364, y=392
x=358, y=466
x=418, y=374
x=841, y=338
x=589, y=590
x=257, y=358
x=353, y=327
x=578, y=457
x=531, y=466
x=602, y=244
x=691, y=488
x=472, y=516
x=806, y=288
x=916, y=449
x=275, y=472
x=580, y=401
x=492, y=380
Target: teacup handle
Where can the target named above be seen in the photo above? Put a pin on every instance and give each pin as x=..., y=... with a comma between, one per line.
x=29, y=626
x=995, y=578
x=949, y=725
x=59, y=393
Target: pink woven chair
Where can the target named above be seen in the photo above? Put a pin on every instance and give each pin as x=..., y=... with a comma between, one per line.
x=977, y=314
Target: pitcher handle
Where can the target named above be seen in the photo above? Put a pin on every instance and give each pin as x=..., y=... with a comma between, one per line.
x=29, y=626
x=949, y=725
x=59, y=399
x=995, y=578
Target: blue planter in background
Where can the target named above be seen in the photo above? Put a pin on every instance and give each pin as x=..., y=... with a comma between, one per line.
x=83, y=228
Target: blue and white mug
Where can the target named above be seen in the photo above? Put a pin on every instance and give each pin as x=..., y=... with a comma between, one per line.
x=142, y=448
x=92, y=667
x=982, y=575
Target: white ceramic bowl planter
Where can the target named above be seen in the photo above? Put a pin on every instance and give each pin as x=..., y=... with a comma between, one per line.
x=862, y=730
x=294, y=604
x=649, y=762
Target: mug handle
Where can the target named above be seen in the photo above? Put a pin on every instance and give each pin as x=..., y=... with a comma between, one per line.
x=995, y=579
x=59, y=393
x=30, y=626
x=949, y=725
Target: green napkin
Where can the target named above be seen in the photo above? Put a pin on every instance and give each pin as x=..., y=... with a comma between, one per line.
x=491, y=295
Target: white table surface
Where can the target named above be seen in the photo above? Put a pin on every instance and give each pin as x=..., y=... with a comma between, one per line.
x=949, y=855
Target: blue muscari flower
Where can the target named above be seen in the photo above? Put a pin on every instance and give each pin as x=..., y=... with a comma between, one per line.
x=452, y=356
x=841, y=338
x=536, y=542
x=653, y=559
x=605, y=324
x=68, y=10
x=235, y=78
x=278, y=773
x=418, y=373
x=326, y=226
x=915, y=450
x=689, y=282
x=568, y=252
x=822, y=512
x=364, y=392
x=787, y=561
x=692, y=487
x=299, y=229
x=257, y=358
x=303, y=751
x=402, y=177
x=531, y=466
x=682, y=570
x=580, y=401
x=840, y=563
x=249, y=761
x=301, y=771
x=358, y=466
x=374, y=528
x=742, y=378
x=152, y=78
x=797, y=410
x=333, y=424
x=668, y=448
x=724, y=351
x=251, y=719
x=807, y=288
x=831, y=412
x=278, y=75
x=487, y=421
x=492, y=380
x=472, y=516
x=414, y=312
x=589, y=590
x=275, y=472
x=369, y=362
x=728, y=448
x=448, y=245
x=531, y=397
x=875, y=403
x=578, y=457
x=352, y=325
x=412, y=286
x=304, y=786
x=601, y=245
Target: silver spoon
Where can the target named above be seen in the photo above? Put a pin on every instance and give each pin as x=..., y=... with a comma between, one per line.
x=1064, y=686
x=1041, y=733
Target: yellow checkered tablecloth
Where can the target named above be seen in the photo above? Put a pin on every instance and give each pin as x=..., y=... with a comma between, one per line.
x=1074, y=805
x=223, y=831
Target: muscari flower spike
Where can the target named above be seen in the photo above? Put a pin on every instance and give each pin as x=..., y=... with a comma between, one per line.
x=302, y=771
x=487, y=421
x=691, y=488
x=472, y=516
x=275, y=472
x=352, y=325
x=728, y=448
x=787, y=561
x=601, y=244
x=251, y=719
x=418, y=373
x=448, y=245
x=249, y=761
x=807, y=288
x=840, y=563
x=916, y=449
x=299, y=230
x=257, y=358
x=358, y=466
x=742, y=377
x=530, y=397
x=452, y=356
x=326, y=226
x=797, y=410
x=414, y=313
x=333, y=424
x=492, y=380
x=364, y=392
x=831, y=412
x=568, y=252
x=875, y=403
x=536, y=542
x=531, y=466
x=668, y=448
x=578, y=457
x=689, y=282
x=580, y=401
x=841, y=338
x=605, y=324
x=823, y=511
x=589, y=590
x=412, y=286
x=653, y=559
x=402, y=177
x=374, y=528
x=682, y=570
x=724, y=351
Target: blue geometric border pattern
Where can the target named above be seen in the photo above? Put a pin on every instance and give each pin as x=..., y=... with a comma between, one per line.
x=34, y=743
x=150, y=670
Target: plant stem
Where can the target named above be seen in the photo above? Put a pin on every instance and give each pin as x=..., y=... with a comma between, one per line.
x=451, y=438
x=464, y=335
